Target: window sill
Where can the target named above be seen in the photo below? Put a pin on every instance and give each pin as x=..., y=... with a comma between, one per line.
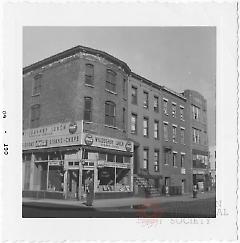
x=109, y=126
x=89, y=85
x=34, y=95
x=112, y=92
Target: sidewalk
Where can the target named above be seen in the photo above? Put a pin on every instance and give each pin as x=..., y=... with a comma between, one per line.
x=114, y=203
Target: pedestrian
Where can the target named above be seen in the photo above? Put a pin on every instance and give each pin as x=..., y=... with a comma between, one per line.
x=90, y=192
x=194, y=191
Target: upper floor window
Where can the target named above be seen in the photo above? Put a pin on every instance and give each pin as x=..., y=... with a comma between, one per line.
x=134, y=95
x=145, y=127
x=145, y=99
x=155, y=104
x=110, y=113
x=37, y=84
x=195, y=112
x=35, y=116
x=111, y=81
x=174, y=161
x=156, y=160
x=89, y=74
x=174, y=107
x=145, y=158
x=174, y=133
x=87, y=109
x=134, y=124
x=182, y=135
x=165, y=106
x=196, y=135
x=156, y=129
x=165, y=131
x=181, y=112
x=124, y=86
x=182, y=159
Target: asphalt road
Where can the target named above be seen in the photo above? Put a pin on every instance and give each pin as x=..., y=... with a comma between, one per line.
x=202, y=208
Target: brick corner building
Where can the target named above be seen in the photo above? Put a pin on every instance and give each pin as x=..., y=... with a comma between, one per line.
x=85, y=113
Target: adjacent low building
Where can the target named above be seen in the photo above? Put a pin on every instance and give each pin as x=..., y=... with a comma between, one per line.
x=85, y=113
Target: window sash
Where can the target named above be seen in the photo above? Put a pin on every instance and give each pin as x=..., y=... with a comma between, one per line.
x=156, y=129
x=110, y=114
x=165, y=106
x=155, y=104
x=134, y=95
x=165, y=131
x=145, y=127
x=111, y=81
x=134, y=124
x=89, y=74
x=145, y=99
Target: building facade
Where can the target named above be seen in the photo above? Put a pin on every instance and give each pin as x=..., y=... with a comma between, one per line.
x=86, y=114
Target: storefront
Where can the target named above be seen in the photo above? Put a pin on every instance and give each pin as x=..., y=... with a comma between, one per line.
x=59, y=160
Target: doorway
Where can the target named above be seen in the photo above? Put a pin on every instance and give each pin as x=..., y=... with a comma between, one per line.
x=86, y=174
x=183, y=186
x=72, y=184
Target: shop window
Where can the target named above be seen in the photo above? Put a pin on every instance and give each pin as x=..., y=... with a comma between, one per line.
x=87, y=109
x=134, y=95
x=155, y=104
x=145, y=127
x=134, y=124
x=127, y=159
x=165, y=131
x=89, y=74
x=123, y=180
x=55, y=178
x=156, y=130
x=110, y=113
x=156, y=160
x=119, y=158
x=111, y=81
x=106, y=179
x=27, y=171
x=102, y=156
x=111, y=157
x=35, y=116
x=145, y=99
x=145, y=158
x=37, y=80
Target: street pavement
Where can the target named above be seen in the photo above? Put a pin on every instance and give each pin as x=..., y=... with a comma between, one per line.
x=172, y=206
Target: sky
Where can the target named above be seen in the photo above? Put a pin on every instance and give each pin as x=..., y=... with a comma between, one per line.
x=177, y=57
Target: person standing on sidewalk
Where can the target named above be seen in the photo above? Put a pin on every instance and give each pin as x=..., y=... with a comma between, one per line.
x=194, y=191
x=90, y=192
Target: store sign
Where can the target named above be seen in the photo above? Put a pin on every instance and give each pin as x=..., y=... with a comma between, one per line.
x=107, y=142
x=72, y=127
x=103, y=163
x=56, y=163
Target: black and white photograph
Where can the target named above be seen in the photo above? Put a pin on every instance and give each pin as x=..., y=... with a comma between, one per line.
x=119, y=121
x=123, y=135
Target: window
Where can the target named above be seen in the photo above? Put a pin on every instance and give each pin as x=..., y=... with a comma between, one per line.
x=37, y=84
x=134, y=95
x=166, y=156
x=124, y=86
x=145, y=127
x=89, y=74
x=124, y=118
x=111, y=81
x=195, y=112
x=181, y=112
x=145, y=99
x=165, y=106
x=196, y=135
x=165, y=131
x=182, y=135
x=156, y=160
x=182, y=160
x=174, y=159
x=102, y=156
x=155, y=104
x=145, y=158
x=110, y=113
x=174, y=134
x=134, y=124
x=87, y=109
x=173, y=109
x=156, y=129
x=111, y=157
x=35, y=116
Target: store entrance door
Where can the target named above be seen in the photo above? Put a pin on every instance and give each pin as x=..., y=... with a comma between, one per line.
x=86, y=175
x=183, y=186
x=72, y=184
